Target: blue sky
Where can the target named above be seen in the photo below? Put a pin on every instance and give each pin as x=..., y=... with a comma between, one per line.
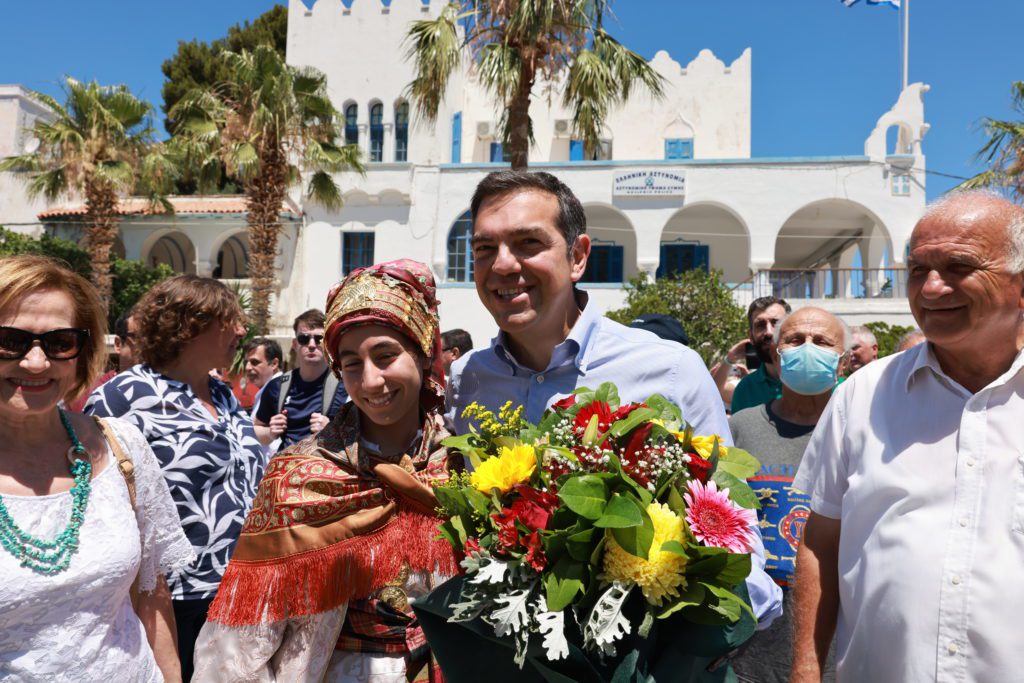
x=822, y=73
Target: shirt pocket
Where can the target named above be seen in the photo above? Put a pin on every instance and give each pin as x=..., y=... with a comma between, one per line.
x=1018, y=498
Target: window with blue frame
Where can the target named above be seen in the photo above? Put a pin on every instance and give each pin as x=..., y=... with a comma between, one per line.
x=679, y=148
x=604, y=263
x=499, y=153
x=402, y=131
x=679, y=257
x=377, y=132
x=577, y=151
x=356, y=251
x=352, y=124
x=460, y=253
x=900, y=185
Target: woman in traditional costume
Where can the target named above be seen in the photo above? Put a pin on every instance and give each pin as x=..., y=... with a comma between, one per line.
x=342, y=534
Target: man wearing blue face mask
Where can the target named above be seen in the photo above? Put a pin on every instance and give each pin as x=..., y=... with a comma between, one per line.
x=808, y=346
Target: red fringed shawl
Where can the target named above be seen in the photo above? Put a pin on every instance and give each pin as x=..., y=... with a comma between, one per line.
x=323, y=530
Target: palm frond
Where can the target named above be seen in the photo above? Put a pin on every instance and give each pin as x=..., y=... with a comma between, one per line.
x=324, y=190
x=434, y=47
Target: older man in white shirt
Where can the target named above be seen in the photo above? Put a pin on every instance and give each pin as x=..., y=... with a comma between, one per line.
x=914, y=549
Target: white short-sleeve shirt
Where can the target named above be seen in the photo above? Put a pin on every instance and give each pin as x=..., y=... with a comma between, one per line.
x=79, y=625
x=928, y=482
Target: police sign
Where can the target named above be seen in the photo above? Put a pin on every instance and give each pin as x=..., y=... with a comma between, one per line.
x=649, y=183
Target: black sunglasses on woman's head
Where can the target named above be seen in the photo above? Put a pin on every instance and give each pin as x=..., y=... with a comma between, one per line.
x=62, y=344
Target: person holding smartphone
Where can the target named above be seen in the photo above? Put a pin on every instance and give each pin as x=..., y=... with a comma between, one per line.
x=762, y=384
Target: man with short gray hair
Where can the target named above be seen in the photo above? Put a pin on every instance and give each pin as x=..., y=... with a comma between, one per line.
x=807, y=347
x=864, y=349
x=915, y=537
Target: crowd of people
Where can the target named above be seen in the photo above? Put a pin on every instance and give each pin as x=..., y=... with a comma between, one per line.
x=154, y=529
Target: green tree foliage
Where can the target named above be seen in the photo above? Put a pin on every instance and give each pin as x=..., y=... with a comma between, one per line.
x=196, y=64
x=267, y=123
x=98, y=145
x=700, y=301
x=131, y=279
x=516, y=45
x=1004, y=151
x=887, y=336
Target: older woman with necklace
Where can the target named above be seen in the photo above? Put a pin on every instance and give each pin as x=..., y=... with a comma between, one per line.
x=342, y=534
x=87, y=525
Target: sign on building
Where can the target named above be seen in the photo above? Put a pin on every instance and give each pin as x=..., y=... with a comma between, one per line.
x=649, y=183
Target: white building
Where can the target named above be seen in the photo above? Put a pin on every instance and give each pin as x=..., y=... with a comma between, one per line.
x=674, y=187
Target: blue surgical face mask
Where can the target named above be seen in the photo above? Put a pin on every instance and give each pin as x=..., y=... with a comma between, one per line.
x=808, y=369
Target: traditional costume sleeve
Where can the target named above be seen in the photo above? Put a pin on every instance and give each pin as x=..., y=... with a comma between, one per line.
x=298, y=649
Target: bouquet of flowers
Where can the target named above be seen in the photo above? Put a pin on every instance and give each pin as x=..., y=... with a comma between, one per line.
x=560, y=522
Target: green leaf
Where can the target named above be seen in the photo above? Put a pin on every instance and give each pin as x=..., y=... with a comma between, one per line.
x=579, y=545
x=634, y=420
x=586, y=496
x=621, y=512
x=739, y=463
x=608, y=393
x=636, y=540
x=668, y=412
x=739, y=491
x=692, y=596
x=723, y=569
x=564, y=582
x=729, y=604
x=452, y=500
x=478, y=501
x=675, y=501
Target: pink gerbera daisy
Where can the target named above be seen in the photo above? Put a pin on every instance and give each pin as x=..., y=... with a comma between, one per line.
x=717, y=521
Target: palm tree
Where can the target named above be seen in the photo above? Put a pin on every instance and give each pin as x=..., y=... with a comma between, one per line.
x=515, y=43
x=1004, y=151
x=267, y=123
x=98, y=145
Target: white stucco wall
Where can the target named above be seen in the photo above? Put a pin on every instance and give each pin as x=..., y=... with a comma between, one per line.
x=18, y=114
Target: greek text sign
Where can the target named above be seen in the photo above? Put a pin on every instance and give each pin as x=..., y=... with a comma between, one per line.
x=650, y=183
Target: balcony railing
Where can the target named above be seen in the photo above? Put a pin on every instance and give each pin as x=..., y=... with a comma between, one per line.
x=824, y=283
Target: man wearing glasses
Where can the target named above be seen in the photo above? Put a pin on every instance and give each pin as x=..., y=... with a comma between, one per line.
x=303, y=401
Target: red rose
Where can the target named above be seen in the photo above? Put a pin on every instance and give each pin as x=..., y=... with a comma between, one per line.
x=623, y=412
x=599, y=408
x=637, y=441
x=567, y=402
x=699, y=468
x=534, y=509
x=535, y=552
x=472, y=545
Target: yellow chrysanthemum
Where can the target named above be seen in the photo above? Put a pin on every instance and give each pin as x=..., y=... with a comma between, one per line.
x=510, y=467
x=702, y=445
x=660, y=576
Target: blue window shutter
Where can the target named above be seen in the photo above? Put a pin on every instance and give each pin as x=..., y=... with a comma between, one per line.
x=702, y=257
x=615, y=268
x=671, y=151
x=575, y=150
x=678, y=148
x=457, y=138
x=685, y=149
x=497, y=153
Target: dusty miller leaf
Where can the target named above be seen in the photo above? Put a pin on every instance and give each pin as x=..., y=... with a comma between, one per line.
x=513, y=616
x=490, y=572
x=605, y=624
x=552, y=627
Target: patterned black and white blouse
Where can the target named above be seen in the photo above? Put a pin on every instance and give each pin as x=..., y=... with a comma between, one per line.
x=212, y=465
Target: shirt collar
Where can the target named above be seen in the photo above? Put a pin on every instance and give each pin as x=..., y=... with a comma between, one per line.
x=925, y=358
x=574, y=348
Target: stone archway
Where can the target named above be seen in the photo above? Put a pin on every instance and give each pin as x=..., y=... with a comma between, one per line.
x=706, y=235
x=612, y=246
x=174, y=249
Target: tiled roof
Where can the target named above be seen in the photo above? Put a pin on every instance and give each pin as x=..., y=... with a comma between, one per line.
x=139, y=206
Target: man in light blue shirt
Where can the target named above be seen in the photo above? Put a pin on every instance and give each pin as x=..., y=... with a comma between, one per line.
x=529, y=250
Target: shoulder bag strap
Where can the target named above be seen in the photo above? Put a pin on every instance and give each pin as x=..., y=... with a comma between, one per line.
x=330, y=389
x=127, y=469
x=286, y=385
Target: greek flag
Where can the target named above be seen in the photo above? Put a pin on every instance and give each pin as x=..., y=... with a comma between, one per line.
x=895, y=4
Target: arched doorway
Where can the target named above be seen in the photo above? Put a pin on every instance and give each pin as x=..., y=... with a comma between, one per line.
x=612, y=246
x=707, y=236
x=174, y=249
x=232, y=260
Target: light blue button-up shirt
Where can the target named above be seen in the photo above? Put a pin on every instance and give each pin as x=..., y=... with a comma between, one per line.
x=600, y=350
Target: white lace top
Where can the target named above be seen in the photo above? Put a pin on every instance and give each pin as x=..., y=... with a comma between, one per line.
x=79, y=625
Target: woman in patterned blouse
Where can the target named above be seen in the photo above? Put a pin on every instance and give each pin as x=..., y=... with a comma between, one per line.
x=204, y=441
x=343, y=534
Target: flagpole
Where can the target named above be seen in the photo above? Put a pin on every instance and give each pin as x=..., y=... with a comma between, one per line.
x=906, y=39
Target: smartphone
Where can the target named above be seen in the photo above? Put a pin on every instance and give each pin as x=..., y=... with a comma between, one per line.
x=753, y=360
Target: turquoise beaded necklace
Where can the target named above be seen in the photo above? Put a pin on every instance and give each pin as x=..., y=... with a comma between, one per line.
x=52, y=557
